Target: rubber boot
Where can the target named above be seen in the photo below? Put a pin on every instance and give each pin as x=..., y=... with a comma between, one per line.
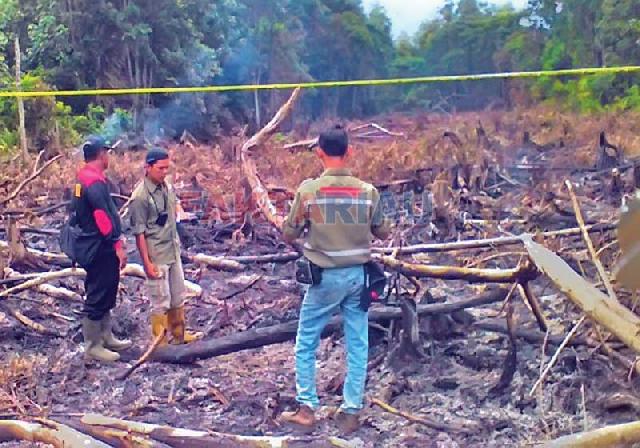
x=176, y=325
x=93, y=345
x=303, y=417
x=109, y=339
x=159, y=325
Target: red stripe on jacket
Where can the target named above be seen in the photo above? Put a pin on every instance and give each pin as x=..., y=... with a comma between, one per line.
x=89, y=175
x=341, y=191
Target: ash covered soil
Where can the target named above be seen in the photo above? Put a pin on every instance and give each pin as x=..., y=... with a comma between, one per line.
x=244, y=392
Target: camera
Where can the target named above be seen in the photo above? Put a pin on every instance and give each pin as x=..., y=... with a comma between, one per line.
x=162, y=219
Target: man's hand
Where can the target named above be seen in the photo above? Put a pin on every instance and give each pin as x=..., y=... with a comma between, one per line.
x=279, y=221
x=122, y=256
x=152, y=271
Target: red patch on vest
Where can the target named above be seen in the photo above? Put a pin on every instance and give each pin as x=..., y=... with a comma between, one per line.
x=342, y=191
x=103, y=222
x=89, y=176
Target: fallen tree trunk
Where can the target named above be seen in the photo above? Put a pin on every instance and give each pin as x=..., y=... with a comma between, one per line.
x=522, y=273
x=133, y=270
x=603, y=309
x=37, y=231
x=34, y=212
x=427, y=421
x=39, y=211
x=260, y=337
x=302, y=144
x=12, y=278
x=35, y=326
x=59, y=259
x=59, y=293
x=531, y=336
x=216, y=262
x=624, y=435
x=97, y=431
x=284, y=257
x=49, y=290
x=43, y=278
x=309, y=143
x=60, y=436
x=116, y=438
x=490, y=242
x=181, y=437
x=219, y=262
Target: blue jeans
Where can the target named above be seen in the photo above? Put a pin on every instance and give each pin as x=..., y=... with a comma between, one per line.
x=339, y=290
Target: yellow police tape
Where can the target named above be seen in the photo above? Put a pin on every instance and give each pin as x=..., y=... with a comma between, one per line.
x=324, y=84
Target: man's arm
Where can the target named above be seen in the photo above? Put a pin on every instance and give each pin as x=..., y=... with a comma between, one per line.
x=98, y=196
x=295, y=222
x=149, y=268
x=380, y=225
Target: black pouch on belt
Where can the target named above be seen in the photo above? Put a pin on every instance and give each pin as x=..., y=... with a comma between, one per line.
x=308, y=273
x=374, y=284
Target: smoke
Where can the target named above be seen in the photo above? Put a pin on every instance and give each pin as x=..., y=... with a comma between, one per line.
x=195, y=112
x=117, y=125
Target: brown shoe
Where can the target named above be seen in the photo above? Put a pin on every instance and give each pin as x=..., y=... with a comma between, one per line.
x=347, y=423
x=304, y=417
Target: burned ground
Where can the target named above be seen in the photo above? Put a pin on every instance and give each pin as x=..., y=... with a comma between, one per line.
x=243, y=392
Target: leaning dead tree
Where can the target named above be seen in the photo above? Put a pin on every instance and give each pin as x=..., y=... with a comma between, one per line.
x=605, y=310
x=260, y=193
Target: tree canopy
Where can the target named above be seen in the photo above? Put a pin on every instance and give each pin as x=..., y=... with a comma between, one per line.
x=75, y=44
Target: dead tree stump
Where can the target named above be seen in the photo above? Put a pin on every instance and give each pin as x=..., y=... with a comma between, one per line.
x=609, y=156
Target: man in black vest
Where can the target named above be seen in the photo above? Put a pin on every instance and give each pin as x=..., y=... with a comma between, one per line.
x=102, y=249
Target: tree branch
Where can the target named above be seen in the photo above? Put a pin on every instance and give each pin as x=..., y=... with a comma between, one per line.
x=25, y=182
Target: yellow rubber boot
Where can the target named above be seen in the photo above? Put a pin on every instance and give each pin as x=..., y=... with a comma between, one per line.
x=159, y=325
x=177, y=327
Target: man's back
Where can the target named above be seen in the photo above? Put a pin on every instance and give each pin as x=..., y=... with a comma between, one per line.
x=341, y=214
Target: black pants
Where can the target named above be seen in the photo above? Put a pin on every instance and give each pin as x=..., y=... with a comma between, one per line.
x=101, y=285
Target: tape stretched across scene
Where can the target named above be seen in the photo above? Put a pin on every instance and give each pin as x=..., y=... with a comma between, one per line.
x=323, y=84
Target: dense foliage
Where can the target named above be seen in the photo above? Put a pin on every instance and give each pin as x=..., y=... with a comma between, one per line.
x=75, y=44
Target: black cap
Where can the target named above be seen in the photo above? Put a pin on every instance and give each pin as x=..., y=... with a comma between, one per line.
x=93, y=145
x=335, y=141
x=156, y=154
